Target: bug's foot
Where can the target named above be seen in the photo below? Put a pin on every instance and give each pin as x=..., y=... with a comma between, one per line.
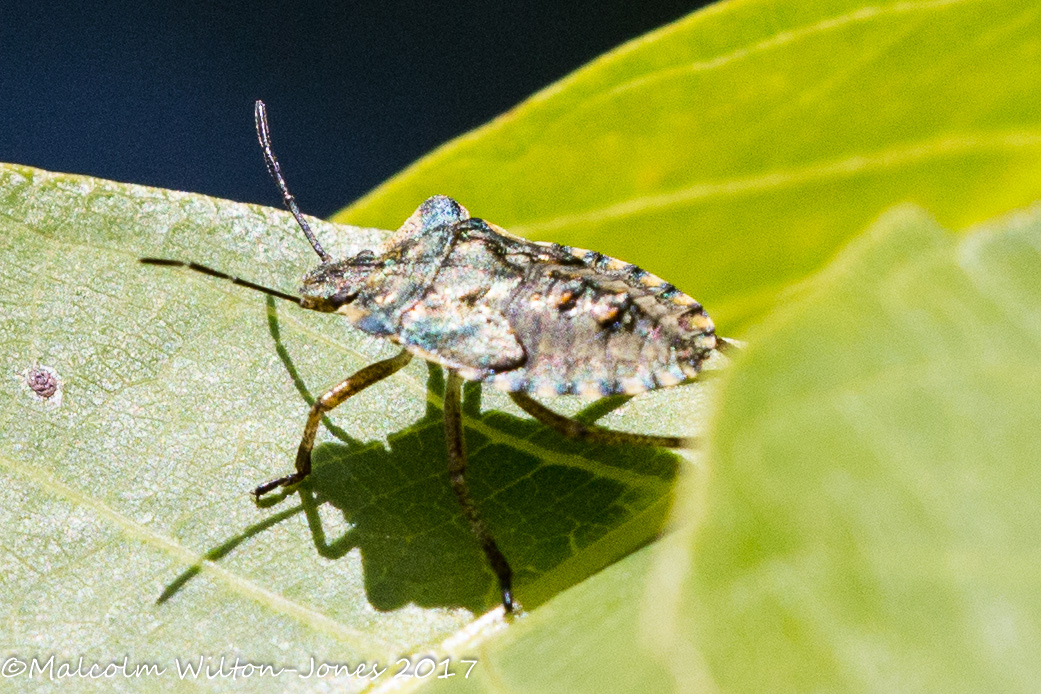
x=507, y=600
x=287, y=481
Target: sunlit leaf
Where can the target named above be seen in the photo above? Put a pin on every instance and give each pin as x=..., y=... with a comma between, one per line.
x=871, y=520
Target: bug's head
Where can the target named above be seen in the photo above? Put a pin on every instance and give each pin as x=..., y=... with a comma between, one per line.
x=335, y=284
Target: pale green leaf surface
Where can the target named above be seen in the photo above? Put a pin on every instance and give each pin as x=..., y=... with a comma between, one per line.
x=870, y=522
x=735, y=151
x=128, y=523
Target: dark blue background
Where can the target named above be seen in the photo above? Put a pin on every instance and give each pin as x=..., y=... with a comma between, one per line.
x=162, y=93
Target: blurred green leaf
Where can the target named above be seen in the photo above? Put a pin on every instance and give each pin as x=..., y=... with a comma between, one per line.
x=733, y=152
x=871, y=519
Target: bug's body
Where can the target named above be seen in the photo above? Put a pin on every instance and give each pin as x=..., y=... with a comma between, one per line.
x=528, y=317
x=525, y=316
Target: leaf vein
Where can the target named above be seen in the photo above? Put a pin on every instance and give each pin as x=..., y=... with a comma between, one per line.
x=784, y=178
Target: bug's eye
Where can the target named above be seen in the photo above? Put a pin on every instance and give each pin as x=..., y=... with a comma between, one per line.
x=365, y=256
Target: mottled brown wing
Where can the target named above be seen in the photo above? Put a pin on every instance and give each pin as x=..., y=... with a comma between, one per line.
x=548, y=319
x=597, y=331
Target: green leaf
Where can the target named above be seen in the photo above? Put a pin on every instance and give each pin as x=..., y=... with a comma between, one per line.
x=733, y=152
x=871, y=519
x=129, y=526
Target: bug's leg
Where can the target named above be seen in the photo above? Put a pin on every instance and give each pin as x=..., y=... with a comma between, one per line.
x=457, y=470
x=574, y=429
x=333, y=397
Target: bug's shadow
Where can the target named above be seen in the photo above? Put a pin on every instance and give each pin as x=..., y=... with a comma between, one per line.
x=544, y=497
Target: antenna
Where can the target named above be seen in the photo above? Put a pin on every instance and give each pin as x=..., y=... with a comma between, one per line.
x=264, y=135
x=222, y=275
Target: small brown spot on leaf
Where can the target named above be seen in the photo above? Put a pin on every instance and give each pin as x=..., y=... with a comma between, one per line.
x=44, y=383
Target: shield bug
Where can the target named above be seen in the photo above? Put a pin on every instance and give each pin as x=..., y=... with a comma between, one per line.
x=529, y=318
